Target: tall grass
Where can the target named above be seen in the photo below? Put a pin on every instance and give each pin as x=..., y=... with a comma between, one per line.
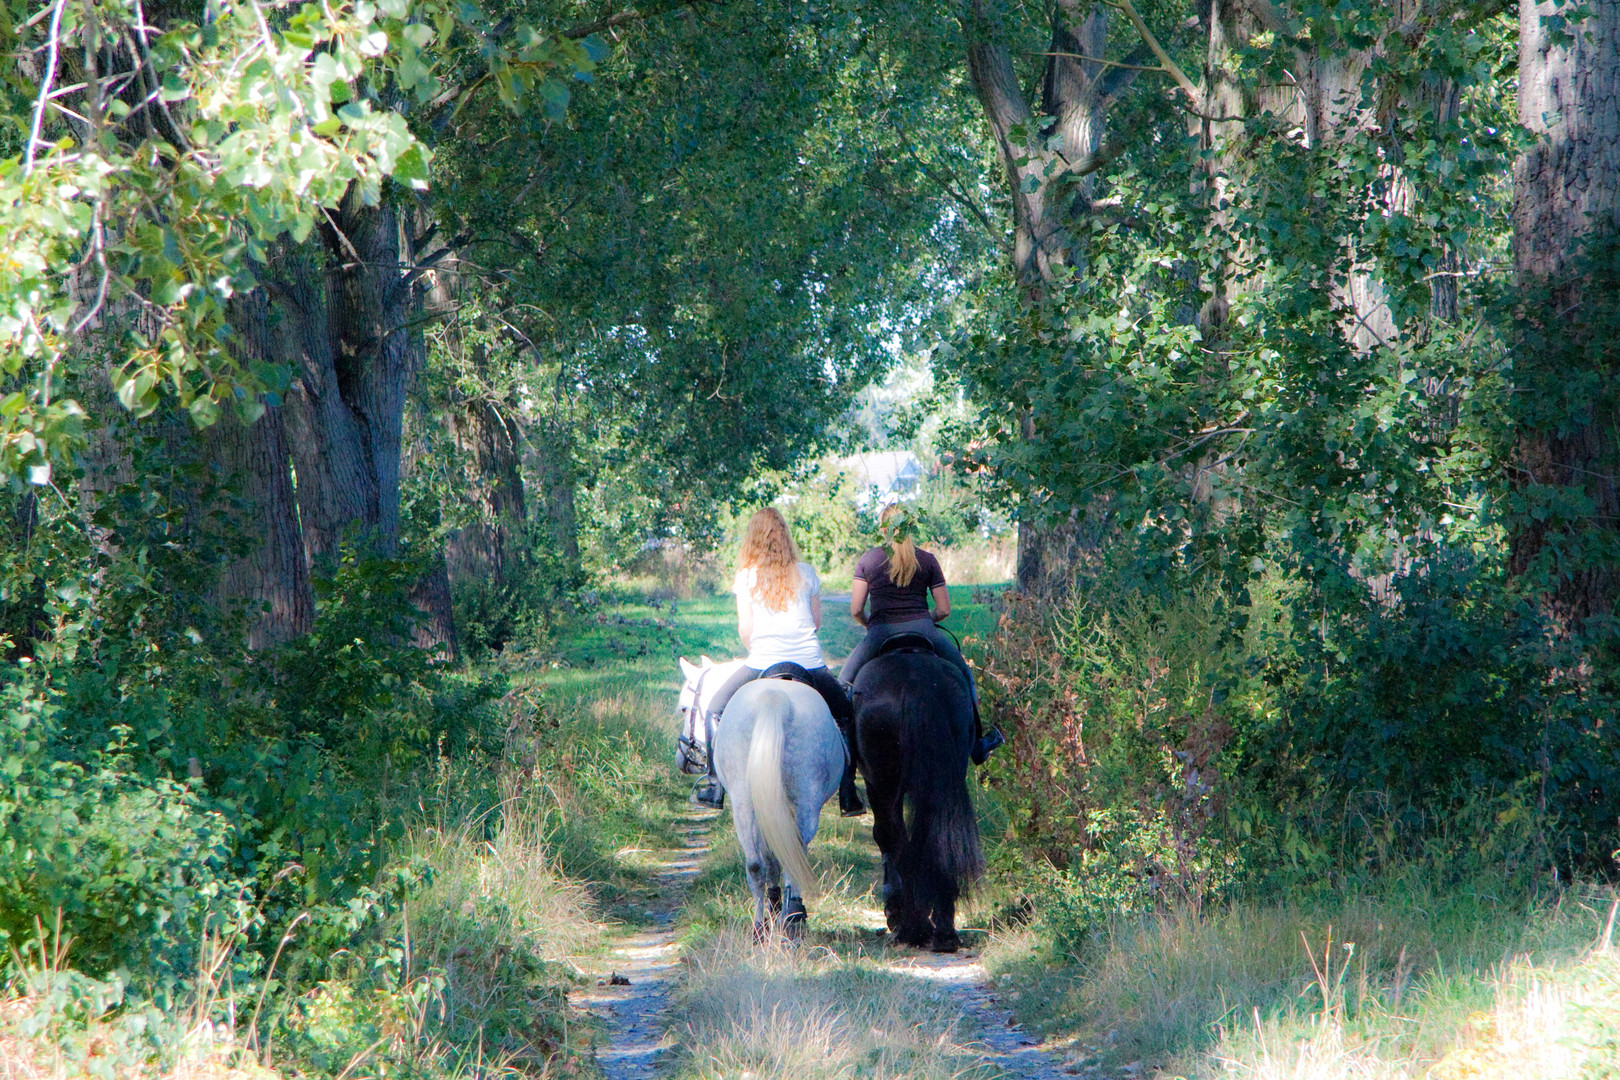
x=1346, y=985
x=813, y=1014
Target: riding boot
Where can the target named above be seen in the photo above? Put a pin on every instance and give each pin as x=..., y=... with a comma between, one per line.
x=984, y=743
x=709, y=791
x=849, y=799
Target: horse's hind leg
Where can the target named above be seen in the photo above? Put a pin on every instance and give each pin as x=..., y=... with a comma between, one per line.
x=794, y=915
x=767, y=898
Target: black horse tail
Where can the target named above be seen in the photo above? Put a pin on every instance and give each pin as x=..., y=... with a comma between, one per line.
x=942, y=858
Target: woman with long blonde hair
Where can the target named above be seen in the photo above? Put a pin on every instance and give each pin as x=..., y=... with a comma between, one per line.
x=778, y=615
x=897, y=579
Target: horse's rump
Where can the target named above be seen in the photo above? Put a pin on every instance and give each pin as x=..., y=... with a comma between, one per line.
x=773, y=809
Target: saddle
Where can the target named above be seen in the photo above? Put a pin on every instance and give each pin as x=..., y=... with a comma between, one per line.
x=912, y=642
x=909, y=642
x=788, y=671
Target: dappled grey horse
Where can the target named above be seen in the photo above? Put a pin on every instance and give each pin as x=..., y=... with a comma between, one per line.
x=780, y=756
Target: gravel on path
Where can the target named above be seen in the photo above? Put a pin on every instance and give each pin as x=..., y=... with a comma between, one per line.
x=650, y=960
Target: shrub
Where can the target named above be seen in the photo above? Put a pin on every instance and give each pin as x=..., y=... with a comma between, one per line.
x=136, y=867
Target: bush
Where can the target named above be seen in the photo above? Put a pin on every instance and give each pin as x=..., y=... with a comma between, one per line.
x=1165, y=746
x=136, y=867
x=1118, y=709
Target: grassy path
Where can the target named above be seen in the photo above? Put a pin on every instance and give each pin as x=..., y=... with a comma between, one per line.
x=702, y=1000
x=632, y=997
x=1444, y=984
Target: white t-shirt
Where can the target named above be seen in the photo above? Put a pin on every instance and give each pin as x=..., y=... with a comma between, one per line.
x=787, y=635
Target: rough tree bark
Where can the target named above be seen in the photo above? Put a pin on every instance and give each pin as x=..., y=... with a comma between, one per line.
x=1052, y=183
x=1566, y=206
x=355, y=360
x=271, y=579
x=493, y=445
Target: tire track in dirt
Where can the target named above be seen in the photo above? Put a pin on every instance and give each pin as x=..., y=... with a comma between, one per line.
x=1016, y=1052
x=650, y=961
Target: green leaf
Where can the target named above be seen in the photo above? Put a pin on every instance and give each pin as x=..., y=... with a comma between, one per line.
x=204, y=411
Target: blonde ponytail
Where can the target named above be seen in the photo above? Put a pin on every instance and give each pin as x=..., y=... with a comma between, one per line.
x=896, y=524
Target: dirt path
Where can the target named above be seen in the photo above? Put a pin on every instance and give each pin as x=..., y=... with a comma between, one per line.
x=649, y=960
x=634, y=1012
x=989, y=1028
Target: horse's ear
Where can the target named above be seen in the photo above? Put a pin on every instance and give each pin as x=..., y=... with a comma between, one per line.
x=688, y=668
x=705, y=661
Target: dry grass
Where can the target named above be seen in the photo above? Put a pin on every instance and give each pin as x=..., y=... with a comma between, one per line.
x=1555, y=1023
x=832, y=1006
x=812, y=1014
x=1420, y=984
x=491, y=895
x=31, y=1048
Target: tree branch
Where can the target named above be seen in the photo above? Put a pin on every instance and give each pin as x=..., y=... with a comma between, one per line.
x=1186, y=84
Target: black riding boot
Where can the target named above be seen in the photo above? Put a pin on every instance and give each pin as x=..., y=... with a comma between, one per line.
x=849, y=799
x=984, y=743
x=709, y=791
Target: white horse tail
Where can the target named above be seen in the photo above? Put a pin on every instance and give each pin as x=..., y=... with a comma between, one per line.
x=772, y=810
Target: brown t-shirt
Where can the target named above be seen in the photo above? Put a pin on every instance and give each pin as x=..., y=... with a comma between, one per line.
x=890, y=602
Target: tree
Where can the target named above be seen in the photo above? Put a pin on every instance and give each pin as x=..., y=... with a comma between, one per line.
x=1566, y=236
x=700, y=271
x=1050, y=161
x=161, y=212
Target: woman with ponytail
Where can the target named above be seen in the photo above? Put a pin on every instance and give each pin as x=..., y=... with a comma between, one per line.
x=898, y=579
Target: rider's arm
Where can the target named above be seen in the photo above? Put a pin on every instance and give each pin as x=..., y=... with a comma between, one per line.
x=857, y=601
x=815, y=610
x=745, y=620
x=942, y=602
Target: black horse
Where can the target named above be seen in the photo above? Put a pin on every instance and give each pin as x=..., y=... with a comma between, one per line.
x=914, y=729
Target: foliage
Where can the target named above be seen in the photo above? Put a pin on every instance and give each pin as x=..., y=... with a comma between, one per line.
x=1118, y=708
x=139, y=868
x=702, y=271
x=179, y=158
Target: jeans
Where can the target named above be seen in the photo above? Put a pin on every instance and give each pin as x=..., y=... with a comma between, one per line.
x=821, y=678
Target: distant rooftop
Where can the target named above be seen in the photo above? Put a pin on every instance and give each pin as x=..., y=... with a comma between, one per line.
x=883, y=477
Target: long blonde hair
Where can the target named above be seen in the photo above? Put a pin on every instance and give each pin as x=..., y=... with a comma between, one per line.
x=768, y=548
x=895, y=524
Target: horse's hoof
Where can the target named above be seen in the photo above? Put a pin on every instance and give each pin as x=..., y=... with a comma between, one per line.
x=945, y=943
x=917, y=937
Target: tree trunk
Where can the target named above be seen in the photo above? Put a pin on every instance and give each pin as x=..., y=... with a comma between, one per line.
x=492, y=443
x=1051, y=180
x=553, y=467
x=356, y=358
x=271, y=580
x=348, y=309
x=1566, y=221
